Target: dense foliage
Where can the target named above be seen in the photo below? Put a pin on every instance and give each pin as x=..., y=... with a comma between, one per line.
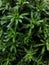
x=24, y=32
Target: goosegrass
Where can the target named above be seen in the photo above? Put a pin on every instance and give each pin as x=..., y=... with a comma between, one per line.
x=24, y=32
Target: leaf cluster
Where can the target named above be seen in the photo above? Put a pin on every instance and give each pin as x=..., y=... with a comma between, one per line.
x=24, y=32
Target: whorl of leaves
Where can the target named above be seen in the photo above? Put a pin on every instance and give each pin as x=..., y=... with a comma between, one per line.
x=24, y=32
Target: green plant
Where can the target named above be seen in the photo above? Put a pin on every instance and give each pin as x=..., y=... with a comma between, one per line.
x=24, y=32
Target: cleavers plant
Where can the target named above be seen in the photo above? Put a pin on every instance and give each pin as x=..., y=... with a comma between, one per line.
x=24, y=32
